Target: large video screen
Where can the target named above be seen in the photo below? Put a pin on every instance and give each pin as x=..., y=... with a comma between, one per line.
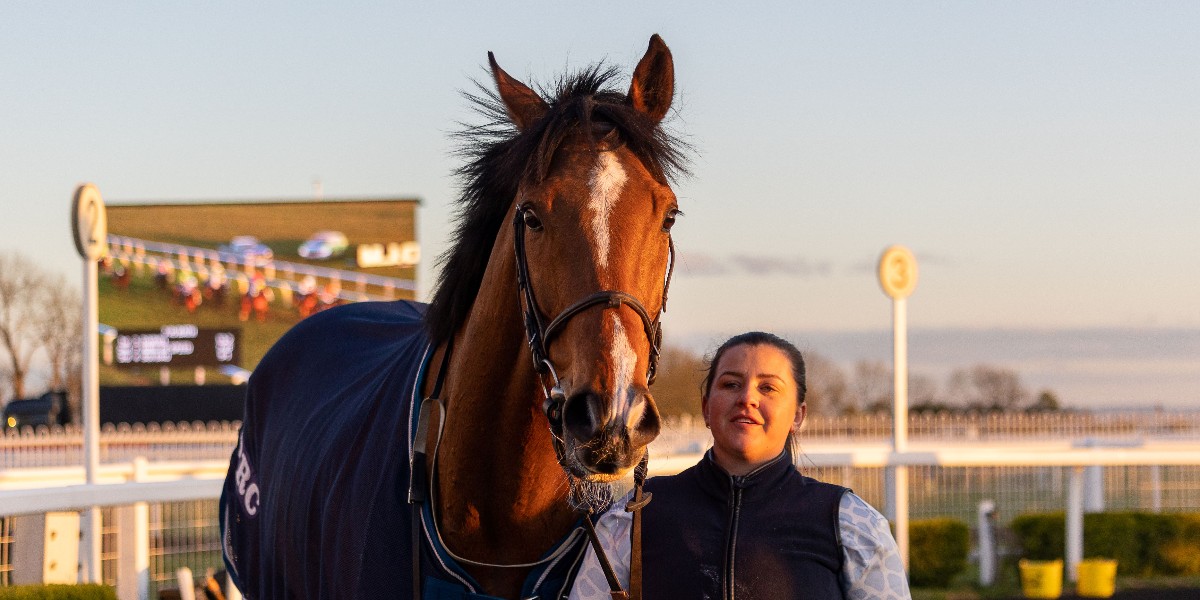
x=197, y=292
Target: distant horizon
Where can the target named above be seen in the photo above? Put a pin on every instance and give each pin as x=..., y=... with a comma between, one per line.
x=982, y=328
x=1086, y=367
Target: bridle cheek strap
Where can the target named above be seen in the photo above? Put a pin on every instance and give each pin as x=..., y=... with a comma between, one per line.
x=540, y=335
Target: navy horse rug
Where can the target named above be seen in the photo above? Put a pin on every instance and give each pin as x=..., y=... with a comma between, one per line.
x=316, y=503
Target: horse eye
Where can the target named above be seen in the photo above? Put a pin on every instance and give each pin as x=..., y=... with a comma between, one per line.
x=669, y=221
x=532, y=222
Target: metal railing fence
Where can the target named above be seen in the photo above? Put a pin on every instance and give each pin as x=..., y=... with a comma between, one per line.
x=62, y=447
x=45, y=447
x=185, y=533
x=6, y=539
x=952, y=470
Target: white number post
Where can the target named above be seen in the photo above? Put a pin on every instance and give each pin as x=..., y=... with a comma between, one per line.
x=898, y=278
x=90, y=224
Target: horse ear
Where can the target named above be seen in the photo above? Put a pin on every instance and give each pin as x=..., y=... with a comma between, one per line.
x=524, y=106
x=653, y=84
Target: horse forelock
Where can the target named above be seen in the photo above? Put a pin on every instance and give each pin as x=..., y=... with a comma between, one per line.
x=499, y=158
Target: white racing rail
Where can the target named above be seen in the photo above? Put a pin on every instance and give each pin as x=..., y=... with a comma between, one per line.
x=280, y=274
x=31, y=491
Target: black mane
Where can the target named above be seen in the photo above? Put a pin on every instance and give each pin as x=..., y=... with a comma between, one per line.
x=499, y=157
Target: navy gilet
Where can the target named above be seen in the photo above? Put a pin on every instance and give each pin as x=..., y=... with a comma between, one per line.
x=770, y=534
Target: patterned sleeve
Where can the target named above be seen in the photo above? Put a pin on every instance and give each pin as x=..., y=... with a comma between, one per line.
x=872, y=569
x=613, y=530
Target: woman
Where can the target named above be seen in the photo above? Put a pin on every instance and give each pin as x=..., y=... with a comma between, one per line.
x=744, y=523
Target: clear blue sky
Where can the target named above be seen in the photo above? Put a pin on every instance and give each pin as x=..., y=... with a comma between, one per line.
x=1041, y=159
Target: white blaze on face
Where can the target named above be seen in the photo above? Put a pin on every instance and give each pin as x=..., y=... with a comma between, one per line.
x=624, y=359
x=606, y=182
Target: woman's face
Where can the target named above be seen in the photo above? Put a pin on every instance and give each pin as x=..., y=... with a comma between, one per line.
x=751, y=407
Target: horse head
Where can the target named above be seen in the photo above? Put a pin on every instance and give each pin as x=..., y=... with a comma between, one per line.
x=591, y=223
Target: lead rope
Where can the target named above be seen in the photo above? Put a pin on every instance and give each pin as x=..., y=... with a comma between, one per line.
x=635, y=506
x=614, y=584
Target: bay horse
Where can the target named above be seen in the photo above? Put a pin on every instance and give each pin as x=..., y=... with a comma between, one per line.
x=450, y=449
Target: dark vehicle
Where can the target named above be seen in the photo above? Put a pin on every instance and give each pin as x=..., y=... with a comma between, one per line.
x=134, y=404
x=49, y=409
x=171, y=403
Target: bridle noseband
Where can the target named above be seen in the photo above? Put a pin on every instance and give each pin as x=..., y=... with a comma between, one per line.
x=540, y=335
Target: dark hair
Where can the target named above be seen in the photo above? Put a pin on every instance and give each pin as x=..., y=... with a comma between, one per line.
x=762, y=338
x=759, y=338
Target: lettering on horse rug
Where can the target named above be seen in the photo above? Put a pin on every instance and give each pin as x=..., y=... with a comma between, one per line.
x=543, y=331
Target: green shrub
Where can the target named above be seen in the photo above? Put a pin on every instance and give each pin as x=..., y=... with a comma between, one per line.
x=1042, y=537
x=1179, y=551
x=937, y=551
x=1116, y=536
x=1142, y=543
x=57, y=592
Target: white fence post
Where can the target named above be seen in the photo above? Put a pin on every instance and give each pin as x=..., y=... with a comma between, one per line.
x=1074, y=550
x=1156, y=489
x=45, y=548
x=133, y=544
x=987, y=542
x=1093, y=496
x=898, y=278
x=187, y=585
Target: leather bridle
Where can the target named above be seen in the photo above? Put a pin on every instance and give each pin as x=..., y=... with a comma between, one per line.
x=540, y=335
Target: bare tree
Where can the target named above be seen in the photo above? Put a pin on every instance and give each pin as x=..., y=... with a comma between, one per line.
x=828, y=392
x=1047, y=401
x=58, y=328
x=20, y=303
x=677, y=388
x=873, y=385
x=923, y=393
x=987, y=387
x=5, y=379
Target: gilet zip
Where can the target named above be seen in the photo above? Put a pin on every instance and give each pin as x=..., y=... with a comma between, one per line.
x=735, y=509
x=736, y=484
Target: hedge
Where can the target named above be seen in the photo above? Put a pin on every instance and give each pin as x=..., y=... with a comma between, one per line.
x=57, y=592
x=937, y=551
x=1142, y=543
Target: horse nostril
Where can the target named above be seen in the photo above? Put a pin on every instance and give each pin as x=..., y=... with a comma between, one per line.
x=647, y=428
x=579, y=415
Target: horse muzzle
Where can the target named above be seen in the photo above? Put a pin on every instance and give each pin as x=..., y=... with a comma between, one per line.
x=605, y=437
